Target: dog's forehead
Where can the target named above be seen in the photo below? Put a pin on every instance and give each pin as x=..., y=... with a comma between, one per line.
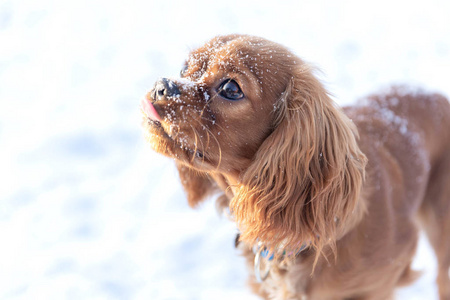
x=239, y=48
x=230, y=55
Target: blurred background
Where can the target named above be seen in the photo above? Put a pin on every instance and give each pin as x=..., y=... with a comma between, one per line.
x=87, y=210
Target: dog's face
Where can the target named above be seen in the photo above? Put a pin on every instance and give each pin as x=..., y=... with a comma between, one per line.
x=251, y=115
x=218, y=113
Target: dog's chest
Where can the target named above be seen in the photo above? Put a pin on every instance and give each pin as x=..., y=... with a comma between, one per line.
x=284, y=281
x=295, y=282
x=285, y=284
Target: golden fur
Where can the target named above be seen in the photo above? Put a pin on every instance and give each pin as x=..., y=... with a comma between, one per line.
x=293, y=171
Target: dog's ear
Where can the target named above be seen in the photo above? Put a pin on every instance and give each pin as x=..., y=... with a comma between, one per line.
x=306, y=178
x=197, y=185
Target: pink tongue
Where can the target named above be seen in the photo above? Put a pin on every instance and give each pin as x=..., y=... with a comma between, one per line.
x=150, y=110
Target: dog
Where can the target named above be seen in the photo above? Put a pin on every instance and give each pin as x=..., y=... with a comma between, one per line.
x=328, y=201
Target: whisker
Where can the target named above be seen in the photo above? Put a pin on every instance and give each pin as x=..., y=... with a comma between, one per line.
x=215, y=124
x=197, y=138
x=208, y=137
x=204, y=127
x=208, y=102
x=195, y=142
x=215, y=139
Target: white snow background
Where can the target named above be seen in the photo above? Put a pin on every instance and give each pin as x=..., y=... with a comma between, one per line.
x=87, y=210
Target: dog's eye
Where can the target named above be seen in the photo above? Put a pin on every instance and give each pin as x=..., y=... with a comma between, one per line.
x=230, y=90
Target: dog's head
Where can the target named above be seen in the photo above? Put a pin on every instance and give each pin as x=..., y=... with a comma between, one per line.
x=216, y=116
x=249, y=110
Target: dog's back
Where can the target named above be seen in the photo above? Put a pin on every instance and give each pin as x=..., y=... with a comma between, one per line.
x=409, y=131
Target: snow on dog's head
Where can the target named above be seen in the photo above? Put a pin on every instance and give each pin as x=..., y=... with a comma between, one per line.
x=215, y=117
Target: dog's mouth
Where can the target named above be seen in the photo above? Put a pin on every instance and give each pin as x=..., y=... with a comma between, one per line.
x=152, y=121
x=153, y=118
x=150, y=111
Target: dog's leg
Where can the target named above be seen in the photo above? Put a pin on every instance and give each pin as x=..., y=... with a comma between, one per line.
x=435, y=213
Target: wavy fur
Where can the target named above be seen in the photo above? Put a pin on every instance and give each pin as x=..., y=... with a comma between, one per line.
x=306, y=178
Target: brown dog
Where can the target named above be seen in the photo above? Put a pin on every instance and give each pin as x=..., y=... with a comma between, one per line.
x=329, y=213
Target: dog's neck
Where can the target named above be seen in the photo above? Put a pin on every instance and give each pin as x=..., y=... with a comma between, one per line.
x=229, y=183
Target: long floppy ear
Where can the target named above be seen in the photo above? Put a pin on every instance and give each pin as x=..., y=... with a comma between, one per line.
x=306, y=178
x=196, y=185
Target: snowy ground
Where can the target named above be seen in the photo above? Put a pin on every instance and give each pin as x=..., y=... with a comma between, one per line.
x=87, y=211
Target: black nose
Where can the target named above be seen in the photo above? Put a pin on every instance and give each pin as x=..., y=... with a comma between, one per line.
x=165, y=88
